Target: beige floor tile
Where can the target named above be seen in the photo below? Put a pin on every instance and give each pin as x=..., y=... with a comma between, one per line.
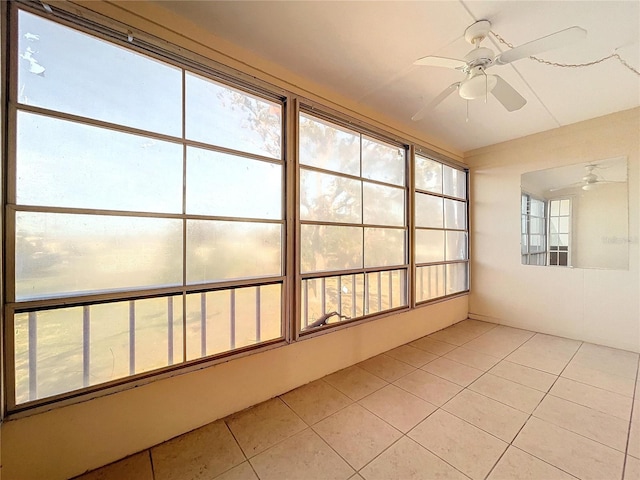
x=500, y=341
x=459, y=443
x=462, y=332
x=607, y=360
x=529, y=377
x=453, y=371
x=200, y=454
x=505, y=391
x=432, y=346
x=398, y=407
x=491, y=416
x=518, y=465
x=596, y=378
x=407, y=460
x=264, y=425
x=590, y=423
x=602, y=400
x=545, y=352
x=575, y=454
x=632, y=469
x=386, y=367
x=429, y=387
x=135, y=467
x=315, y=401
x=356, y=434
x=241, y=472
x=634, y=439
x=355, y=382
x=472, y=358
x=303, y=456
x=356, y=477
x=411, y=355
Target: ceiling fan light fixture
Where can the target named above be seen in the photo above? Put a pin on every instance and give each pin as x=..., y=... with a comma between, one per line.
x=588, y=186
x=478, y=86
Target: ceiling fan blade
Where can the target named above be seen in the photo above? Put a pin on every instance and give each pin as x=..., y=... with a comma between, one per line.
x=507, y=95
x=444, y=62
x=555, y=40
x=444, y=94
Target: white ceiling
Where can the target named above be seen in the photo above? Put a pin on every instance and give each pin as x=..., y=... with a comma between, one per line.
x=365, y=50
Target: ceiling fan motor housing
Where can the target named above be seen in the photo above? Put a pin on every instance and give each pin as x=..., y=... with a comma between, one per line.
x=479, y=57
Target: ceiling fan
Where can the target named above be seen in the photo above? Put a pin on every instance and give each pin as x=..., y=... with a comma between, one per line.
x=589, y=181
x=477, y=83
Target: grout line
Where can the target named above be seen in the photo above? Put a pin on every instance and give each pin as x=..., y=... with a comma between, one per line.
x=153, y=470
x=633, y=401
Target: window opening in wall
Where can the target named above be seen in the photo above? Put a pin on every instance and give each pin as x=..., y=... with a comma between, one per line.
x=353, y=223
x=533, y=230
x=145, y=214
x=560, y=232
x=441, y=230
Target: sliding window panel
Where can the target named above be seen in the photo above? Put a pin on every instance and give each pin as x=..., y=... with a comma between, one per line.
x=220, y=250
x=457, y=278
x=428, y=174
x=430, y=282
x=230, y=186
x=455, y=214
x=119, y=172
x=382, y=162
x=227, y=117
x=225, y=320
x=454, y=182
x=328, y=146
x=68, y=71
x=65, y=254
x=329, y=198
x=429, y=211
x=383, y=205
x=456, y=245
x=330, y=247
x=429, y=246
x=384, y=247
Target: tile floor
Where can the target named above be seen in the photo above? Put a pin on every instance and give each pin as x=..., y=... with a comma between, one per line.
x=475, y=400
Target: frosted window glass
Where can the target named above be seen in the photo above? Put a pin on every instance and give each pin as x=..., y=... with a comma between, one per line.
x=95, y=167
x=218, y=250
x=429, y=211
x=383, y=205
x=60, y=254
x=329, y=198
x=455, y=214
x=65, y=70
x=329, y=146
x=226, y=117
x=457, y=278
x=429, y=246
x=456, y=245
x=454, y=182
x=382, y=162
x=226, y=185
x=430, y=282
x=329, y=247
x=428, y=175
x=383, y=247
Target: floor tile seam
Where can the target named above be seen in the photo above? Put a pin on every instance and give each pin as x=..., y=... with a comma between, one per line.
x=454, y=361
x=502, y=402
x=332, y=413
x=475, y=426
x=593, y=386
x=153, y=470
x=384, y=379
x=582, y=364
x=332, y=449
x=421, y=398
x=631, y=419
x=544, y=461
x=404, y=391
x=321, y=379
x=580, y=435
x=434, y=453
x=518, y=382
x=577, y=433
x=588, y=407
x=527, y=366
x=406, y=363
x=235, y=439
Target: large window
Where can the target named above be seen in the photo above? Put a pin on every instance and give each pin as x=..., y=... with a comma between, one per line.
x=560, y=232
x=145, y=214
x=441, y=230
x=353, y=223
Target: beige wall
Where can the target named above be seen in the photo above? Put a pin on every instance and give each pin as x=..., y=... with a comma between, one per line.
x=600, y=306
x=69, y=440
